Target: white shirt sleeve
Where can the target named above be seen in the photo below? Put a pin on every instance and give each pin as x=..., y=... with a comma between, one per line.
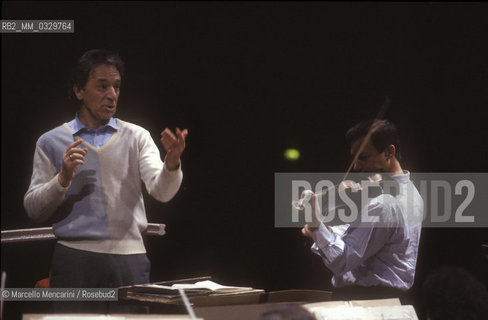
x=344, y=252
x=161, y=183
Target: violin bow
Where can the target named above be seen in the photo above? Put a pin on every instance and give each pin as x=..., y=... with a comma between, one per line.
x=299, y=204
x=384, y=107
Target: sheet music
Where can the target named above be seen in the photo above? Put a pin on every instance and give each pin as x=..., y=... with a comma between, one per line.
x=365, y=313
x=74, y=317
x=198, y=286
x=393, y=313
x=210, y=285
x=107, y=317
x=339, y=313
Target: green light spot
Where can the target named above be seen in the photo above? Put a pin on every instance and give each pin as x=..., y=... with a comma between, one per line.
x=292, y=154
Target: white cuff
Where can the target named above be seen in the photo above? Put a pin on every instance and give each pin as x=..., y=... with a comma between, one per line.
x=322, y=236
x=59, y=187
x=174, y=171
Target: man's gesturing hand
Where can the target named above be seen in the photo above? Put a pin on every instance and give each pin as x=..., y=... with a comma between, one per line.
x=174, y=146
x=73, y=157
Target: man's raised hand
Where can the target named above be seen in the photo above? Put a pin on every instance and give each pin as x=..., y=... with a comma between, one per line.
x=174, y=146
x=73, y=157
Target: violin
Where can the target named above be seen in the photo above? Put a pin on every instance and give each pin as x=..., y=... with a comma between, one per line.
x=345, y=185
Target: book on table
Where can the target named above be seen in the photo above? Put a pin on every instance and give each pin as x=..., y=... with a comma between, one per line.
x=205, y=286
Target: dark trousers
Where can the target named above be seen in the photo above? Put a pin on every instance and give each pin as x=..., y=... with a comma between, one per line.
x=73, y=268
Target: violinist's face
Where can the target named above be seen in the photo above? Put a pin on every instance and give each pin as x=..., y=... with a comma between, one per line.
x=369, y=160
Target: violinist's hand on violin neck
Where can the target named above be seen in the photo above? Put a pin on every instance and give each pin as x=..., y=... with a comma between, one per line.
x=300, y=204
x=316, y=212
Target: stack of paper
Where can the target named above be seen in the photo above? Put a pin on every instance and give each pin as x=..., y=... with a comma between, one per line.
x=107, y=317
x=386, y=309
x=206, y=286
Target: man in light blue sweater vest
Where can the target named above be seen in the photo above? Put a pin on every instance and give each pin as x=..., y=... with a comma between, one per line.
x=87, y=177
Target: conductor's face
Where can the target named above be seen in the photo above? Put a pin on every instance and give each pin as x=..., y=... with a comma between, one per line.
x=369, y=160
x=100, y=95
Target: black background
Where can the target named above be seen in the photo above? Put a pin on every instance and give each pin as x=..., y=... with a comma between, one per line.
x=248, y=80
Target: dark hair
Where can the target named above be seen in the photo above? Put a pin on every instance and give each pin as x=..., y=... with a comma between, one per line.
x=384, y=134
x=287, y=312
x=87, y=62
x=453, y=293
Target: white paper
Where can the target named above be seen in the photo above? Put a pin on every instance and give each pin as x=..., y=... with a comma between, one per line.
x=210, y=285
x=365, y=313
x=81, y=317
x=106, y=317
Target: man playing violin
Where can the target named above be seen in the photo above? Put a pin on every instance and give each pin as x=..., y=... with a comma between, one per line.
x=376, y=259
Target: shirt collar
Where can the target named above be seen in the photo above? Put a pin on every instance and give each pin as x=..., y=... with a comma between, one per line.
x=402, y=178
x=78, y=125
